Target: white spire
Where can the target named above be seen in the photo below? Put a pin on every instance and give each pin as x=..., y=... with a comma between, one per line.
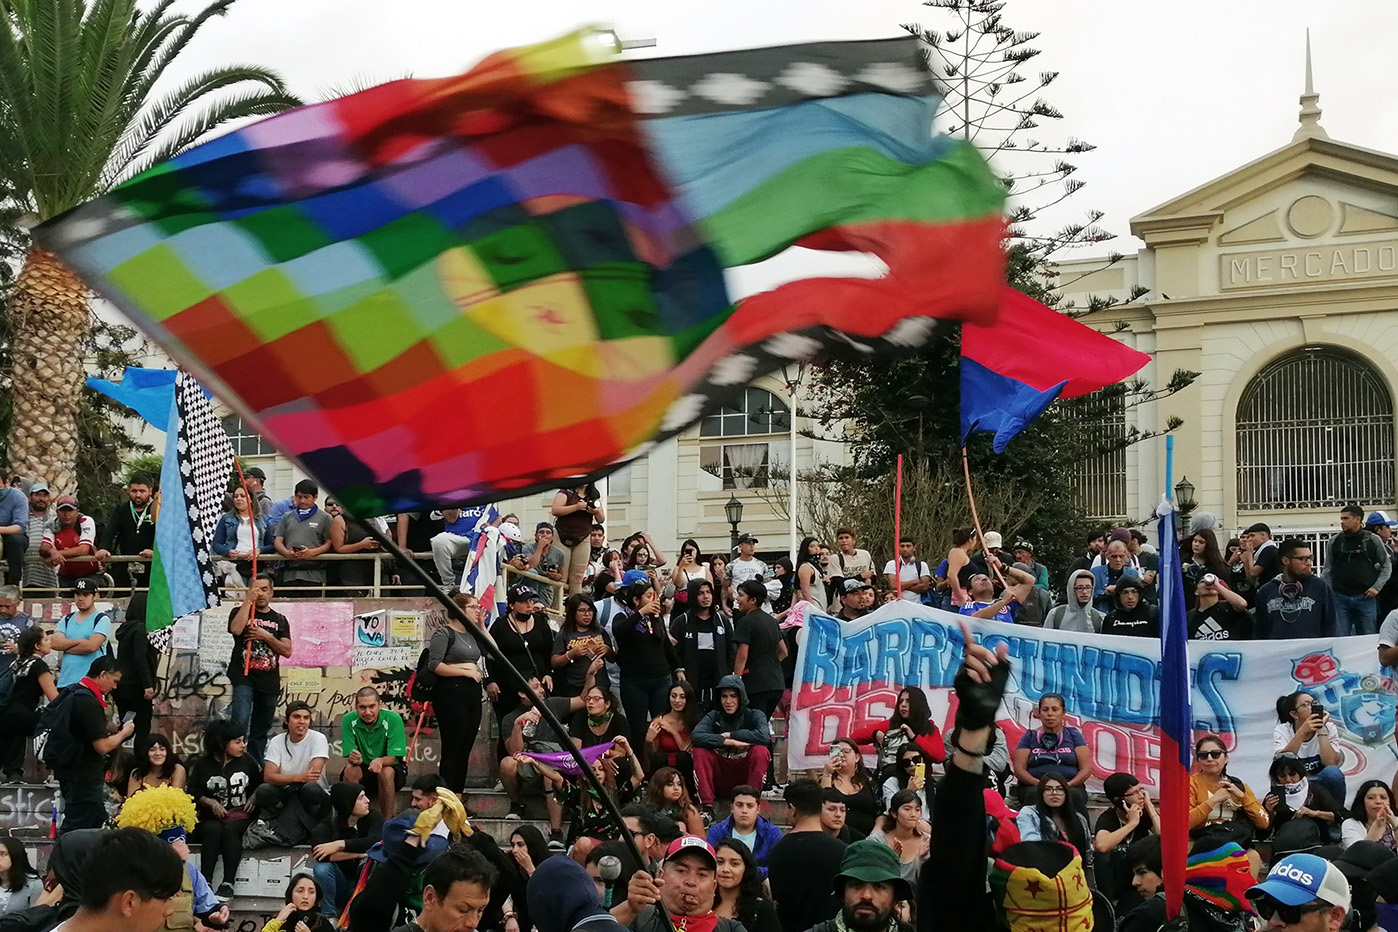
x=1310, y=104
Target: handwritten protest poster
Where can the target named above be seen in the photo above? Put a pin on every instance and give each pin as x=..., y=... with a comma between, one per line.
x=185, y=633
x=371, y=629
x=383, y=658
x=322, y=633
x=215, y=643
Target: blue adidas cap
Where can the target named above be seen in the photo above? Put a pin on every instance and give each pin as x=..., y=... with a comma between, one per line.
x=1298, y=879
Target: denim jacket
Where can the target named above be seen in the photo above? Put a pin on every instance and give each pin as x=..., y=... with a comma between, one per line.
x=226, y=534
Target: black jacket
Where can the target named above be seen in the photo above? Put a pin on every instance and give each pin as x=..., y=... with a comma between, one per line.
x=136, y=658
x=686, y=628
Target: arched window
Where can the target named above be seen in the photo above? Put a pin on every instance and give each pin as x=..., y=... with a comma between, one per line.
x=757, y=413
x=246, y=442
x=1315, y=430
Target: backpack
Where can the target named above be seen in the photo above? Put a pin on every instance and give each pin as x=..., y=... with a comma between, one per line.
x=106, y=644
x=54, y=741
x=423, y=683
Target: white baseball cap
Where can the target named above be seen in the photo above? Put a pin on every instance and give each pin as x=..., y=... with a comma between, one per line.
x=993, y=539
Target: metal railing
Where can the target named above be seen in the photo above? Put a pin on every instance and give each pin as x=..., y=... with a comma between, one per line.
x=382, y=584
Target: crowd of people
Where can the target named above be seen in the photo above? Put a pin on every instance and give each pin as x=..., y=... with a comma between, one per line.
x=669, y=678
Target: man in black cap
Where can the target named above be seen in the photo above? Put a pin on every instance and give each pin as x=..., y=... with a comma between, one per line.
x=869, y=887
x=256, y=480
x=856, y=599
x=1261, y=559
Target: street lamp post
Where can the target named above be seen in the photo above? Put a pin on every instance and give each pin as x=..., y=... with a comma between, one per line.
x=733, y=511
x=1184, y=500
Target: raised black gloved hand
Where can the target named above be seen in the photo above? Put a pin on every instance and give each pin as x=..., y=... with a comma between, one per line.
x=977, y=702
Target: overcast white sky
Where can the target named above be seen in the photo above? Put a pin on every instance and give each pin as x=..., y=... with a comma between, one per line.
x=1172, y=94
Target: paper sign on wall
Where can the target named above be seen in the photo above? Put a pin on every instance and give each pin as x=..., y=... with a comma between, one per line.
x=302, y=679
x=371, y=629
x=323, y=633
x=406, y=627
x=383, y=658
x=185, y=635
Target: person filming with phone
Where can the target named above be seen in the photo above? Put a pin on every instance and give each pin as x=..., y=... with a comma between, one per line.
x=1305, y=730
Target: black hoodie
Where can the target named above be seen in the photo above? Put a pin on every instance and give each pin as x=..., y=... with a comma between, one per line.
x=358, y=838
x=563, y=898
x=1143, y=621
x=136, y=658
x=705, y=649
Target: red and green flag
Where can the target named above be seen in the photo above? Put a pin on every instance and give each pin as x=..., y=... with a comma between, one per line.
x=468, y=288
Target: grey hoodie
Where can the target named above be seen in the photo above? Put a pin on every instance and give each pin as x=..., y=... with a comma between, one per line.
x=1070, y=616
x=747, y=724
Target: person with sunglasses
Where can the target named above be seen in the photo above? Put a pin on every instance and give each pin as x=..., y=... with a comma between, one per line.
x=1302, y=893
x=1220, y=805
x=907, y=775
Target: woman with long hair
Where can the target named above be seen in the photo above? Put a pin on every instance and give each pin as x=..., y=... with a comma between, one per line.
x=905, y=777
x=1371, y=816
x=910, y=723
x=33, y=681
x=1054, y=818
x=810, y=574
x=221, y=782
x=529, y=849
x=647, y=661
x=241, y=534
x=575, y=510
x=718, y=575
x=689, y=567
x=1199, y=557
x=845, y=773
x=670, y=736
x=740, y=889
x=580, y=640
x=667, y=794
x=20, y=885
x=302, y=912
x=592, y=823
x=156, y=765
x=904, y=829
x=452, y=654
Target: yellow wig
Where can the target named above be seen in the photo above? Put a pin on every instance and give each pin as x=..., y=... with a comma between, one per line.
x=162, y=810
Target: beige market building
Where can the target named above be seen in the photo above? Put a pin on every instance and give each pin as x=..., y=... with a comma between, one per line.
x=1278, y=283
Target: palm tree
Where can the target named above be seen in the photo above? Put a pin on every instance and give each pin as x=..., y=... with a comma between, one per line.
x=78, y=115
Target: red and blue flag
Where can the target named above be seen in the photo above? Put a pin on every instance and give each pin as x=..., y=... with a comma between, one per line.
x=1176, y=717
x=1012, y=368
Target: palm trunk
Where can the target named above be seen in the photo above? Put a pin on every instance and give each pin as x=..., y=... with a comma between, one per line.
x=49, y=324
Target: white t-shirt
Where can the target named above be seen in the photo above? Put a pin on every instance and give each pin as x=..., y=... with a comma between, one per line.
x=850, y=564
x=740, y=571
x=1309, y=751
x=296, y=758
x=909, y=573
